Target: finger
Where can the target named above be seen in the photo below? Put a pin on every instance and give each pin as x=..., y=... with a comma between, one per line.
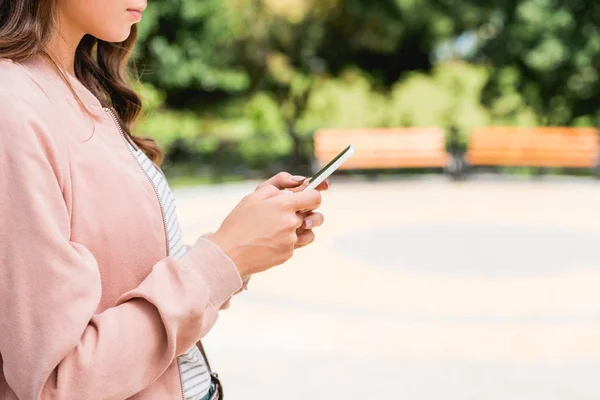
x=284, y=180
x=307, y=200
x=323, y=186
x=313, y=220
x=299, y=222
x=266, y=192
x=274, y=180
x=302, y=186
x=305, y=239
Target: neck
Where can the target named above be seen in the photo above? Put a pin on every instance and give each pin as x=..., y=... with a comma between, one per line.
x=62, y=46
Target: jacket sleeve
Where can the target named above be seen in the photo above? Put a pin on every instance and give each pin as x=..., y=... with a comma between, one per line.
x=245, y=281
x=53, y=343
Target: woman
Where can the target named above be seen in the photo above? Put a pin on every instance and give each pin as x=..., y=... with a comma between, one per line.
x=99, y=298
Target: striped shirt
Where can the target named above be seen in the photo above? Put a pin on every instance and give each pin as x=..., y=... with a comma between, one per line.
x=195, y=376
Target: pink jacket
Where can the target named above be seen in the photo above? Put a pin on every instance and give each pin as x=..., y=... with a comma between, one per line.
x=90, y=306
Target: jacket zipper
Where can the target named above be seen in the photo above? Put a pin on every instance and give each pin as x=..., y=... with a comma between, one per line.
x=112, y=114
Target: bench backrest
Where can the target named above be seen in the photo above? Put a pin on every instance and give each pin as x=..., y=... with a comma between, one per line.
x=383, y=147
x=535, y=147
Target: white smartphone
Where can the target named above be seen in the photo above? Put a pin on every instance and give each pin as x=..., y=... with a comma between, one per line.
x=330, y=168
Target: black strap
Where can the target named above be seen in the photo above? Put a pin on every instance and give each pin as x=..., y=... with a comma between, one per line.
x=201, y=348
x=214, y=377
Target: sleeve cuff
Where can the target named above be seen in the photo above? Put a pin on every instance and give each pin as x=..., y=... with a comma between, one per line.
x=219, y=271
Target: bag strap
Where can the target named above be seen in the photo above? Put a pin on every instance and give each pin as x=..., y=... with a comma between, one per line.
x=201, y=348
x=214, y=377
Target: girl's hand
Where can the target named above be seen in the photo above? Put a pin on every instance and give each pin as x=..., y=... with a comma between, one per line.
x=295, y=183
x=262, y=231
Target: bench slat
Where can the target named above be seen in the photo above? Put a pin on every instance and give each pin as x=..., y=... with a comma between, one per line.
x=384, y=147
x=537, y=147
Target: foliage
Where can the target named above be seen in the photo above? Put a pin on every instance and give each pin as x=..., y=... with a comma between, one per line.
x=549, y=52
x=188, y=45
x=251, y=80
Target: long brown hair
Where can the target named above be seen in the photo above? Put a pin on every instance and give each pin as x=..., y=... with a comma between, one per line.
x=102, y=67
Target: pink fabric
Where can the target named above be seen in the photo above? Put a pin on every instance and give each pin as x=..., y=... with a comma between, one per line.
x=90, y=306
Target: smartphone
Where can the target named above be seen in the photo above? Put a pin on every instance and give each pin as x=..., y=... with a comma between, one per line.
x=330, y=168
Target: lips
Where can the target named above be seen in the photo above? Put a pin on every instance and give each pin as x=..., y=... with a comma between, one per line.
x=136, y=12
x=139, y=9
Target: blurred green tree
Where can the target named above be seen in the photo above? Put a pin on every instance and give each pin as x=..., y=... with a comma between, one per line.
x=202, y=54
x=189, y=49
x=548, y=51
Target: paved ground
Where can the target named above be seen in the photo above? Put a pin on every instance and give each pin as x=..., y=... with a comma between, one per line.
x=421, y=290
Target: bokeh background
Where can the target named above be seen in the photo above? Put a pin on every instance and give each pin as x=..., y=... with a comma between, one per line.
x=418, y=286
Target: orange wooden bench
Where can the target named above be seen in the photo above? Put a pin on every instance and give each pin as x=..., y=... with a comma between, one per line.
x=384, y=148
x=542, y=147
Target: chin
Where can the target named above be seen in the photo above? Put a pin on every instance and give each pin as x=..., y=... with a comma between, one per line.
x=115, y=36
